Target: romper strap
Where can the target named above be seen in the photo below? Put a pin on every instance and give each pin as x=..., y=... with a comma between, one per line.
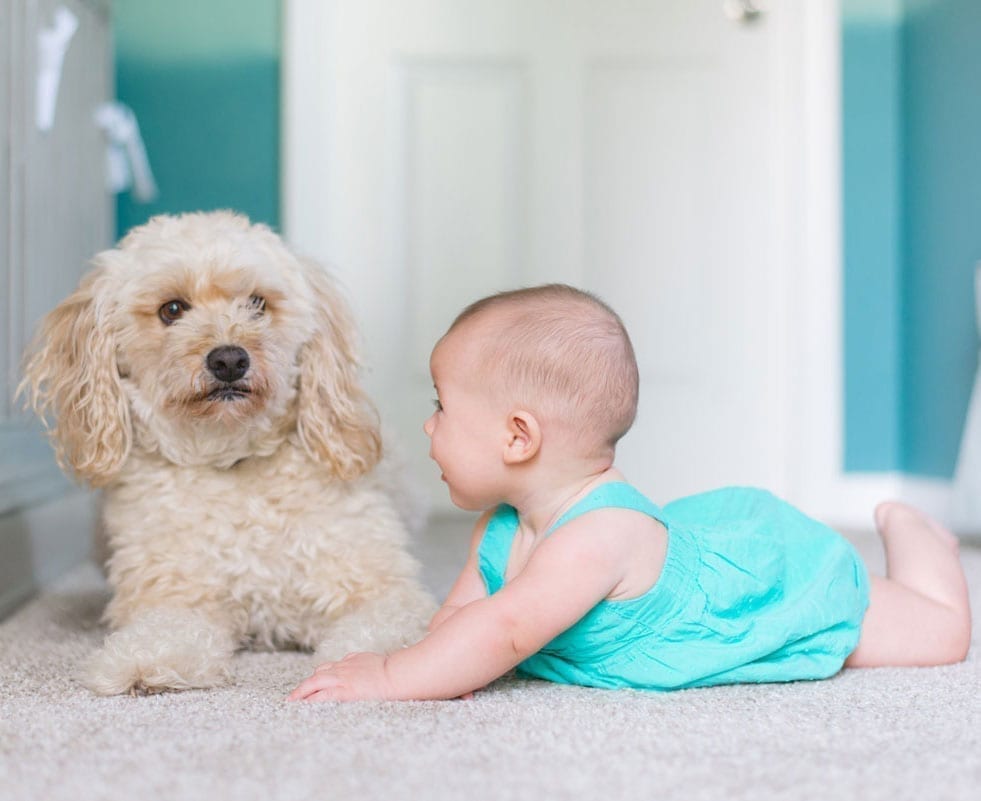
x=495, y=547
x=615, y=494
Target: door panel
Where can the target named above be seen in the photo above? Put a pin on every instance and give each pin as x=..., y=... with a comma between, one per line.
x=440, y=150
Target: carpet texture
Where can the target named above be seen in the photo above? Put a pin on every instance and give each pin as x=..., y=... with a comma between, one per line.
x=864, y=734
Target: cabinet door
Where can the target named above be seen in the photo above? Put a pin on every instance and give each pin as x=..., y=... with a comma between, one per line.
x=55, y=213
x=56, y=209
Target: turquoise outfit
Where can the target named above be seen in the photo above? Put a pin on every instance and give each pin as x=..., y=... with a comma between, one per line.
x=752, y=590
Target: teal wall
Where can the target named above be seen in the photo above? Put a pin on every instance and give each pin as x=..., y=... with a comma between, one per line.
x=942, y=223
x=912, y=229
x=202, y=77
x=872, y=233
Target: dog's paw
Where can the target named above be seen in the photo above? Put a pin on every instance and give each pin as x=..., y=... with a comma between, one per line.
x=161, y=650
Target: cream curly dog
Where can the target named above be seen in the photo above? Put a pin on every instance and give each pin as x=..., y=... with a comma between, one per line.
x=206, y=378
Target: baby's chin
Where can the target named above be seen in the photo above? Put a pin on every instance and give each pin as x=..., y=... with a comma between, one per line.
x=466, y=503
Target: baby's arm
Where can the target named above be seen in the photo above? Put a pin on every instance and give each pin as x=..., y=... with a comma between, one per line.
x=469, y=586
x=566, y=576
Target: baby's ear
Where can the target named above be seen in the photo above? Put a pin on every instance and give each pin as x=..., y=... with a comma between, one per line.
x=71, y=381
x=524, y=437
x=336, y=421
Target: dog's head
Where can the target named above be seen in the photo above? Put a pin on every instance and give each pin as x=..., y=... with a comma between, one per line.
x=204, y=338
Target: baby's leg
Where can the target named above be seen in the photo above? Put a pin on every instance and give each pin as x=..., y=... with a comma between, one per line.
x=919, y=614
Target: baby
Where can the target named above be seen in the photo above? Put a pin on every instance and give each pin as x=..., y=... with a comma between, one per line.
x=574, y=576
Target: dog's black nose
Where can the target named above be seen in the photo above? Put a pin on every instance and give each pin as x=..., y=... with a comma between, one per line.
x=228, y=363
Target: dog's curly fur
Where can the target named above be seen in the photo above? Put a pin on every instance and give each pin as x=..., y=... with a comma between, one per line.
x=239, y=510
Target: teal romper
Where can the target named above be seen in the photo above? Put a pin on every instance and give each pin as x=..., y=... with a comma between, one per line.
x=751, y=590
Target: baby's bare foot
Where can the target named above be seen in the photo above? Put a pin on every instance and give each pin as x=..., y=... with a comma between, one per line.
x=893, y=516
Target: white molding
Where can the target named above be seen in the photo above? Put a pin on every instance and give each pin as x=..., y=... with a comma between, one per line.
x=813, y=260
x=40, y=543
x=848, y=500
x=931, y=495
x=305, y=103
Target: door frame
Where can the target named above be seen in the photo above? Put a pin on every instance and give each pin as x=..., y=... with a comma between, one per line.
x=807, y=292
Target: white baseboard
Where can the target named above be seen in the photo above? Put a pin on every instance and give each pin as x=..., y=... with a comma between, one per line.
x=39, y=543
x=931, y=495
x=848, y=500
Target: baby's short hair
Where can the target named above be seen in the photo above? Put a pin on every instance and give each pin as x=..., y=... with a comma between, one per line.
x=565, y=351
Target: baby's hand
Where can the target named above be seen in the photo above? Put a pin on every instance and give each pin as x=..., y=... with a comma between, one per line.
x=357, y=677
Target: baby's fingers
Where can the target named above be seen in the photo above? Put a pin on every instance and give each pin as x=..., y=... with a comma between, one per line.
x=328, y=666
x=315, y=684
x=333, y=694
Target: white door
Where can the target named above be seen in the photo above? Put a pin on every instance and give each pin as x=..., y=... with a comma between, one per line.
x=439, y=150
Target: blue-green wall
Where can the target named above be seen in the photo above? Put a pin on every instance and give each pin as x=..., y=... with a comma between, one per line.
x=203, y=79
x=942, y=223
x=912, y=229
x=872, y=233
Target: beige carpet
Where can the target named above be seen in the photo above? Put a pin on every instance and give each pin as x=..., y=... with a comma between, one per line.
x=875, y=734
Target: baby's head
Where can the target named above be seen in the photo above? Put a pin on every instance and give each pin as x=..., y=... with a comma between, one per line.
x=560, y=352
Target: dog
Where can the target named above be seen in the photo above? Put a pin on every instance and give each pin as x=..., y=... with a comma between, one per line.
x=206, y=378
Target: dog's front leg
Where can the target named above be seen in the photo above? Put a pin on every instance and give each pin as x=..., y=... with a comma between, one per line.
x=160, y=649
x=383, y=623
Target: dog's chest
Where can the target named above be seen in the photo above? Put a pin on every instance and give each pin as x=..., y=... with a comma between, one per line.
x=260, y=532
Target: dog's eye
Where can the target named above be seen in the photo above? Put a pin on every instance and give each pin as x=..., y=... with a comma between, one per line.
x=172, y=311
x=258, y=305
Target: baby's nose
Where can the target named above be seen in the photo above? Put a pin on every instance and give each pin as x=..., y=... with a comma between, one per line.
x=428, y=426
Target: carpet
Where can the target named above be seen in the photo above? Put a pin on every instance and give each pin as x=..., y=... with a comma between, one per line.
x=864, y=734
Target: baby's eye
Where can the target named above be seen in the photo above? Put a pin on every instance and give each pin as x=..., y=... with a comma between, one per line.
x=437, y=404
x=257, y=304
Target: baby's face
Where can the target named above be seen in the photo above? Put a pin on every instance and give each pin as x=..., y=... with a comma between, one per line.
x=467, y=430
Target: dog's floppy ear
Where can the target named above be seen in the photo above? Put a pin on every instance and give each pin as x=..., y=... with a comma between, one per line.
x=337, y=424
x=72, y=382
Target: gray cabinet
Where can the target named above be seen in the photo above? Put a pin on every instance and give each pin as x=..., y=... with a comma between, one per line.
x=55, y=213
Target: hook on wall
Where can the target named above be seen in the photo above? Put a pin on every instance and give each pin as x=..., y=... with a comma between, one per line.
x=52, y=44
x=745, y=11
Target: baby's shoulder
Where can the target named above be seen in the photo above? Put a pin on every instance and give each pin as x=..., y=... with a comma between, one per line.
x=630, y=544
